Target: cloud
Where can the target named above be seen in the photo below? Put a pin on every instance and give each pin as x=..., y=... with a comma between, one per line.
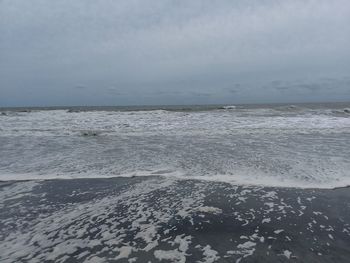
x=201, y=94
x=311, y=87
x=283, y=88
x=80, y=87
x=233, y=91
x=314, y=87
x=161, y=46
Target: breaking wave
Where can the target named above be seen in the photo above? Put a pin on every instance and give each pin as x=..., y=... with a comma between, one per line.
x=262, y=146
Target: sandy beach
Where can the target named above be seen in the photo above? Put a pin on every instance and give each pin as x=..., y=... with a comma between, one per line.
x=153, y=219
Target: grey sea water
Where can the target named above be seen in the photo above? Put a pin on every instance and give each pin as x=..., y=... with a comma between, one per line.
x=215, y=183
x=304, y=145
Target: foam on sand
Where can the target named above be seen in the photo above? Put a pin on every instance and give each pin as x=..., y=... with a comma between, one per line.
x=167, y=219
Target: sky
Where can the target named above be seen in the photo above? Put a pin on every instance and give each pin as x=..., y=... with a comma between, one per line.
x=143, y=52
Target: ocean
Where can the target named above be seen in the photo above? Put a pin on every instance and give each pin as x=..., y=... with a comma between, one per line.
x=212, y=183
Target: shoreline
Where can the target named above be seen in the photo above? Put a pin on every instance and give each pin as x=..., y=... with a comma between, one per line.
x=176, y=178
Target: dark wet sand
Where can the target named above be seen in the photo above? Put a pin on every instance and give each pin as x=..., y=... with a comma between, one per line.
x=151, y=219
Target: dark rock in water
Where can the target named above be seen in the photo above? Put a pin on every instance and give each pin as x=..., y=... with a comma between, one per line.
x=73, y=110
x=90, y=133
x=347, y=110
x=3, y=113
x=27, y=111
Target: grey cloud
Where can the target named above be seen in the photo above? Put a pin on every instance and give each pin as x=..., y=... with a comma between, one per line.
x=80, y=87
x=283, y=88
x=114, y=91
x=276, y=83
x=201, y=94
x=171, y=51
x=233, y=91
x=312, y=87
x=324, y=86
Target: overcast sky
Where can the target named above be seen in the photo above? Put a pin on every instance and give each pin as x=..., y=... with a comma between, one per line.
x=127, y=52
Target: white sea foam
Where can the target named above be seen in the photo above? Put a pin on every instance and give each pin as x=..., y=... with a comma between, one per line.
x=87, y=175
x=62, y=123
x=47, y=237
x=230, y=107
x=269, y=147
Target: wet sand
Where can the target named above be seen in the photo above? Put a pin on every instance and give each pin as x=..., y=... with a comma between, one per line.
x=153, y=219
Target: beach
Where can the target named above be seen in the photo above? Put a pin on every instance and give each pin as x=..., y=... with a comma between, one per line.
x=153, y=219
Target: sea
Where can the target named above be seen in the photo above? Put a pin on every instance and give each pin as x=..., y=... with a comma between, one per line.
x=194, y=183
x=301, y=145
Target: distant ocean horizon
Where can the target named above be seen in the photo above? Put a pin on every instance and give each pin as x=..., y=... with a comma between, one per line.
x=179, y=107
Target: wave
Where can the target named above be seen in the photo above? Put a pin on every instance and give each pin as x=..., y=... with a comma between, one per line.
x=8, y=176
x=291, y=108
x=230, y=107
x=250, y=108
x=97, y=123
x=11, y=113
x=272, y=181
x=240, y=146
x=259, y=180
x=341, y=112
